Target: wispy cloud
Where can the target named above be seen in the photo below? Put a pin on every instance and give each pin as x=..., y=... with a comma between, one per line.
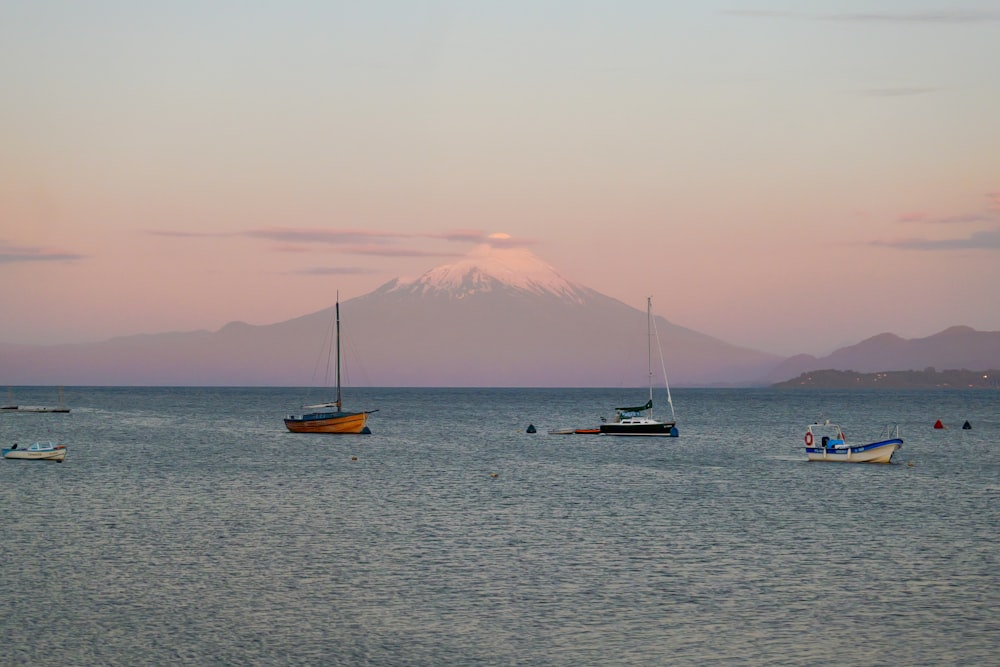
x=333, y=271
x=496, y=239
x=765, y=14
x=501, y=240
x=901, y=91
x=946, y=220
x=945, y=16
x=392, y=251
x=187, y=235
x=461, y=235
x=982, y=240
x=319, y=235
x=369, y=242
x=950, y=16
x=376, y=242
x=10, y=254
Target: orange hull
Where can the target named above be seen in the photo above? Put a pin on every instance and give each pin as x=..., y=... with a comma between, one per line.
x=343, y=422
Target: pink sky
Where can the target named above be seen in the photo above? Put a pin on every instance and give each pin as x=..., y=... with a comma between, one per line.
x=787, y=181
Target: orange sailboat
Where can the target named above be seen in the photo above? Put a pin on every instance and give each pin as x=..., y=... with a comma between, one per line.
x=330, y=417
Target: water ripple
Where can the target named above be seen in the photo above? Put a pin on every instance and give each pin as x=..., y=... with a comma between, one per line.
x=187, y=527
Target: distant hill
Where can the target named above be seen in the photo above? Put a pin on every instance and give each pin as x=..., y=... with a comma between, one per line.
x=956, y=347
x=926, y=379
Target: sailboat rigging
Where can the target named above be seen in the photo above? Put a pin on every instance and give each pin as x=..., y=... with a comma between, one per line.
x=631, y=420
x=330, y=417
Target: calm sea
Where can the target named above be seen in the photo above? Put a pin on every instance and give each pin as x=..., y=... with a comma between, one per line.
x=187, y=527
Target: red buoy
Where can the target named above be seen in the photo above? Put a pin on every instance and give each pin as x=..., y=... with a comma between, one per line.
x=938, y=424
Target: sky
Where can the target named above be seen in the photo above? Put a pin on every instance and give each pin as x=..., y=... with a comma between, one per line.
x=786, y=176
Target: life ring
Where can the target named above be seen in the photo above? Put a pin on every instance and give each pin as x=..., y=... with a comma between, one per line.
x=809, y=439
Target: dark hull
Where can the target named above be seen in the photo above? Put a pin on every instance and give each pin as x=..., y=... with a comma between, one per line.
x=663, y=430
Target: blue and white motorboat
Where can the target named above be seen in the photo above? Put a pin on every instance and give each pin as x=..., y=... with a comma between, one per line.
x=38, y=451
x=827, y=442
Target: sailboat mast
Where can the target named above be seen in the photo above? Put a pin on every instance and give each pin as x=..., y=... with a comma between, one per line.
x=649, y=350
x=663, y=366
x=338, y=349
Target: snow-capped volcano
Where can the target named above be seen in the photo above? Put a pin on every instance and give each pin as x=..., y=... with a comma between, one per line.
x=487, y=269
x=498, y=317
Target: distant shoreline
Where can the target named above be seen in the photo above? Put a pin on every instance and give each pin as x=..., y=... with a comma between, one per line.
x=928, y=378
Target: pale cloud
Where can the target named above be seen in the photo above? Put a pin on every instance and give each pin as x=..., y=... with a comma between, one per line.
x=988, y=239
x=901, y=91
x=498, y=239
x=334, y=271
x=186, y=235
x=945, y=220
x=765, y=14
x=982, y=240
x=504, y=240
x=363, y=241
x=461, y=235
x=944, y=16
x=11, y=254
x=391, y=251
x=318, y=235
x=338, y=236
x=990, y=216
x=375, y=242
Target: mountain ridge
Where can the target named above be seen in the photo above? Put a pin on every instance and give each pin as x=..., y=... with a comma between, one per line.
x=956, y=347
x=929, y=378
x=497, y=317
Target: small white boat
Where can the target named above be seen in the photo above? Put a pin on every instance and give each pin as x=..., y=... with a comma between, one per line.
x=827, y=442
x=36, y=408
x=38, y=451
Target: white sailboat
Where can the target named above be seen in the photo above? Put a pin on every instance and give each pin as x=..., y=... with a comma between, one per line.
x=639, y=420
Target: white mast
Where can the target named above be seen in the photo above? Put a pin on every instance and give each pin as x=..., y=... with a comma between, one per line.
x=338, y=349
x=649, y=350
x=663, y=366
